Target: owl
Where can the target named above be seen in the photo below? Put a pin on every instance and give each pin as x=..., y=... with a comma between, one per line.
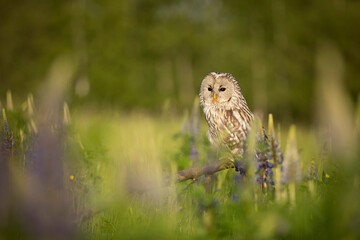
x=226, y=112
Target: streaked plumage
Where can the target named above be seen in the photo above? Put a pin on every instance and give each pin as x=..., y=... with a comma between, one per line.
x=226, y=111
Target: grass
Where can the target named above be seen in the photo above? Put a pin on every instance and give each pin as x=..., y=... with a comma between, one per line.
x=107, y=183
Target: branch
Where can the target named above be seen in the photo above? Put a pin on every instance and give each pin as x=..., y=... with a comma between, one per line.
x=207, y=169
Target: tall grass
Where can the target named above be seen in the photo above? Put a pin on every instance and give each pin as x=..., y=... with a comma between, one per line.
x=91, y=174
x=114, y=165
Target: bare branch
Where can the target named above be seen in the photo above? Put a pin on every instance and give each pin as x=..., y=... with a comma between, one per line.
x=207, y=169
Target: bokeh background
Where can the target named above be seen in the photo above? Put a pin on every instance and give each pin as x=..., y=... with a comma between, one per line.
x=145, y=53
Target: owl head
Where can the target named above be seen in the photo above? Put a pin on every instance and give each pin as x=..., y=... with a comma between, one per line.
x=219, y=90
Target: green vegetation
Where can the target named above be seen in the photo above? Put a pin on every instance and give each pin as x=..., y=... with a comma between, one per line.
x=100, y=176
x=99, y=111
x=140, y=53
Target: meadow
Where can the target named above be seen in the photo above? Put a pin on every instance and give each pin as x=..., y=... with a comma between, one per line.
x=99, y=174
x=99, y=119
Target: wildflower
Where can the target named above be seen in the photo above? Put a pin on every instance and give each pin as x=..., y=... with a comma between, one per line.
x=194, y=130
x=8, y=138
x=268, y=155
x=312, y=172
x=180, y=208
x=327, y=175
x=263, y=157
x=194, y=153
x=194, y=122
x=72, y=177
x=191, y=130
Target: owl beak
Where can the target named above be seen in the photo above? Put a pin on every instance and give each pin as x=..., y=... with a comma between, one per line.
x=214, y=99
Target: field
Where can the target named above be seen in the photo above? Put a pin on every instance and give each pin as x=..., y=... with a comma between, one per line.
x=102, y=135
x=90, y=174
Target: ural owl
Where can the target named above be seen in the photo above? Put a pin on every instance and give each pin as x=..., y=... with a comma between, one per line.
x=226, y=111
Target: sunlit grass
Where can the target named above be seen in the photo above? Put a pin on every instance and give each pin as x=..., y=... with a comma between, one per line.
x=138, y=150
x=115, y=164
x=135, y=150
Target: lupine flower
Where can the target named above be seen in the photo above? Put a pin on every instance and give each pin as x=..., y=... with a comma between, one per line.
x=8, y=138
x=195, y=120
x=192, y=127
x=312, y=172
x=194, y=154
x=268, y=155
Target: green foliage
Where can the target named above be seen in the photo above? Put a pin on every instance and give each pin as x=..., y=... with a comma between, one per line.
x=98, y=172
x=114, y=170
x=162, y=49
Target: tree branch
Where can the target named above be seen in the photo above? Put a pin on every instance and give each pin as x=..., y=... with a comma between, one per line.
x=207, y=169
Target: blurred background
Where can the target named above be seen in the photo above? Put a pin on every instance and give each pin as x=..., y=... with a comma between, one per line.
x=143, y=54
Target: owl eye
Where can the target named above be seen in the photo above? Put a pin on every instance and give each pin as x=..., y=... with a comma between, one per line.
x=222, y=89
x=210, y=89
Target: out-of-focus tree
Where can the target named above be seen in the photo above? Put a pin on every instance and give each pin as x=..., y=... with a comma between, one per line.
x=139, y=53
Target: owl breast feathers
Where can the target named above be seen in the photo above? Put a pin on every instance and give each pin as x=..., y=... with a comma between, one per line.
x=226, y=111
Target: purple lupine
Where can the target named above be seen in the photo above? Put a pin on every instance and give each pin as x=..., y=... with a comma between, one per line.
x=192, y=126
x=312, y=175
x=8, y=142
x=268, y=155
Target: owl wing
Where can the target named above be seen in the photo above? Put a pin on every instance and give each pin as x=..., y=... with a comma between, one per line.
x=236, y=125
